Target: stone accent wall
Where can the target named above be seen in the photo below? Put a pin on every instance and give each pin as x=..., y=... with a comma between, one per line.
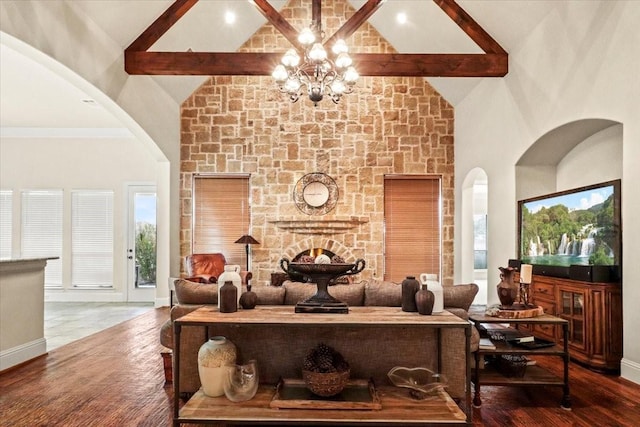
x=389, y=125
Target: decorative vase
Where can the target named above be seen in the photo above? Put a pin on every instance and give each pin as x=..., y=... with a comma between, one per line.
x=249, y=299
x=216, y=358
x=243, y=382
x=507, y=289
x=425, y=300
x=409, y=288
x=431, y=280
x=228, y=297
x=231, y=273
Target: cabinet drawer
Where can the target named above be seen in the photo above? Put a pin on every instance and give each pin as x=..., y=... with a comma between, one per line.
x=549, y=307
x=546, y=330
x=543, y=290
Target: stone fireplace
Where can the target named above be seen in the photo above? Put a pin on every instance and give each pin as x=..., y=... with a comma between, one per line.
x=391, y=125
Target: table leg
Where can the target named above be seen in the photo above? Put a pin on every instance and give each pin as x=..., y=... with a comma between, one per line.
x=477, y=402
x=177, y=328
x=566, y=399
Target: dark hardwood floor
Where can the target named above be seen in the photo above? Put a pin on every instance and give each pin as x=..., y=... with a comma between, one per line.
x=115, y=378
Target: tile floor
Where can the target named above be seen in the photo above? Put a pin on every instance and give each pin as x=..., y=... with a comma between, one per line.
x=65, y=322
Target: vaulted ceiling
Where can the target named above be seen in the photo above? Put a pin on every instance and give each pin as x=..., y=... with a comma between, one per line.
x=428, y=30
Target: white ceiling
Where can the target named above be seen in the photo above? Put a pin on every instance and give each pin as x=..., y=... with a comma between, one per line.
x=35, y=97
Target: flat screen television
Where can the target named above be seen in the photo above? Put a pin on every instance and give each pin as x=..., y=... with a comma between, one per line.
x=578, y=227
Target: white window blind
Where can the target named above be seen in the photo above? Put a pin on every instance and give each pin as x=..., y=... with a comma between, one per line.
x=41, y=231
x=6, y=219
x=92, y=238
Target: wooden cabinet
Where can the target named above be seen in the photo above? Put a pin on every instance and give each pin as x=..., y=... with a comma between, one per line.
x=594, y=313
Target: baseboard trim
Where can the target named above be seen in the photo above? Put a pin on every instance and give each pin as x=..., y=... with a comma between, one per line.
x=83, y=296
x=630, y=370
x=22, y=353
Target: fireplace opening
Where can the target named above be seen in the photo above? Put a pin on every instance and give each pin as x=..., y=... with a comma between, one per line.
x=314, y=253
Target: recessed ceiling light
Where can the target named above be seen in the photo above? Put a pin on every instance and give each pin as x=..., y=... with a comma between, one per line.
x=401, y=18
x=229, y=17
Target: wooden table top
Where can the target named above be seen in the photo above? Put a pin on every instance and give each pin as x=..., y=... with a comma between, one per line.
x=284, y=314
x=543, y=318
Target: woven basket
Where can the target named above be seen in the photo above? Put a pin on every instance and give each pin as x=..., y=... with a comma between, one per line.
x=512, y=365
x=325, y=384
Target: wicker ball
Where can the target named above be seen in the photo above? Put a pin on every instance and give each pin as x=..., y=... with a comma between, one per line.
x=325, y=384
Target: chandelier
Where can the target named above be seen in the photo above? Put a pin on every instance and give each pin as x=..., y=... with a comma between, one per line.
x=318, y=74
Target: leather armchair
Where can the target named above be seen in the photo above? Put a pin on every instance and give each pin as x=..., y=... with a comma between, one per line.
x=206, y=268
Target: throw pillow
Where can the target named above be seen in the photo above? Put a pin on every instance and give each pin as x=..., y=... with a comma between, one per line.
x=196, y=293
x=269, y=295
x=382, y=294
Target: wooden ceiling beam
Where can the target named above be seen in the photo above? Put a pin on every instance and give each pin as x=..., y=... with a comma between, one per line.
x=470, y=26
x=367, y=64
x=356, y=21
x=137, y=59
x=161, y=25
x=280, y=24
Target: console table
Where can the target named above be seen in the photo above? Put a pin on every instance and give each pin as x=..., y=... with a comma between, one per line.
x=360, y=322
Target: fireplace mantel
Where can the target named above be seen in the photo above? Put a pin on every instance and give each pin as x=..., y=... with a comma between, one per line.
x=333, y=225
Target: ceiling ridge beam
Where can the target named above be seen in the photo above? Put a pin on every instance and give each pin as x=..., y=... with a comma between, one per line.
x=161, y=25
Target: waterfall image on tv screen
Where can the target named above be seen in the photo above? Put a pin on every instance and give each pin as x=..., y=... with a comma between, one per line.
x=577, y=227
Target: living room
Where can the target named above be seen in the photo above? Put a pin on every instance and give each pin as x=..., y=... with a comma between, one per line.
x=566, y=73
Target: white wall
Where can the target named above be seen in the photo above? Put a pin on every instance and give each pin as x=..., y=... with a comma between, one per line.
x=80, y=164
x=581, y=62
x=74, y=46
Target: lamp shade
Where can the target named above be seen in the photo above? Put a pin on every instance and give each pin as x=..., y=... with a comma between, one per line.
x=248, y=240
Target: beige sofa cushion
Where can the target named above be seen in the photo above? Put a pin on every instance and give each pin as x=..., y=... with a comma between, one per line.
x=269, y=295
x=459, y=296
x=382, y=294
x=352, y=294
x=196, y=293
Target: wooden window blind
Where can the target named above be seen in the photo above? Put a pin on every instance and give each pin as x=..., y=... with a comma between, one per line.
x=412, y=206
x=220, y=216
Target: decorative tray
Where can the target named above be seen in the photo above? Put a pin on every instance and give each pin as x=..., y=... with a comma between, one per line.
x=294, y=394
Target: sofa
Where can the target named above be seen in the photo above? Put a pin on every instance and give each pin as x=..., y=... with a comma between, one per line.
x=422, y=352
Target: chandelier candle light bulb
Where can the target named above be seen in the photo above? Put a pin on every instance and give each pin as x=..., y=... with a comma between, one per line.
x=314, y=70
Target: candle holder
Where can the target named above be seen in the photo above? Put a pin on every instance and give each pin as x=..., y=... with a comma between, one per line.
x=526, y=271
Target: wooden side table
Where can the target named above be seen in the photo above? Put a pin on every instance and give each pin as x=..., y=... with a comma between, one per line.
x=534, y=375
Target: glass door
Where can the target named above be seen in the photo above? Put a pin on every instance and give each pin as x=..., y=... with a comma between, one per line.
x=141, y=247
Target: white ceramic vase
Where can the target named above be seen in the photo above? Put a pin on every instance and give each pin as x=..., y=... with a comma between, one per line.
x=216, y=358
x=231, y=274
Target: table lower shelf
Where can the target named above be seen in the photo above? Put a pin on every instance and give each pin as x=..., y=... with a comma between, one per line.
x=397, y=408
x=534, y=375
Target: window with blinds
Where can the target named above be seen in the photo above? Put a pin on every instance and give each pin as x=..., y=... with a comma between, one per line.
x=6, y=222
x=220, y=216
x=412, y=217
x=41, y=231
x=92, y=239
